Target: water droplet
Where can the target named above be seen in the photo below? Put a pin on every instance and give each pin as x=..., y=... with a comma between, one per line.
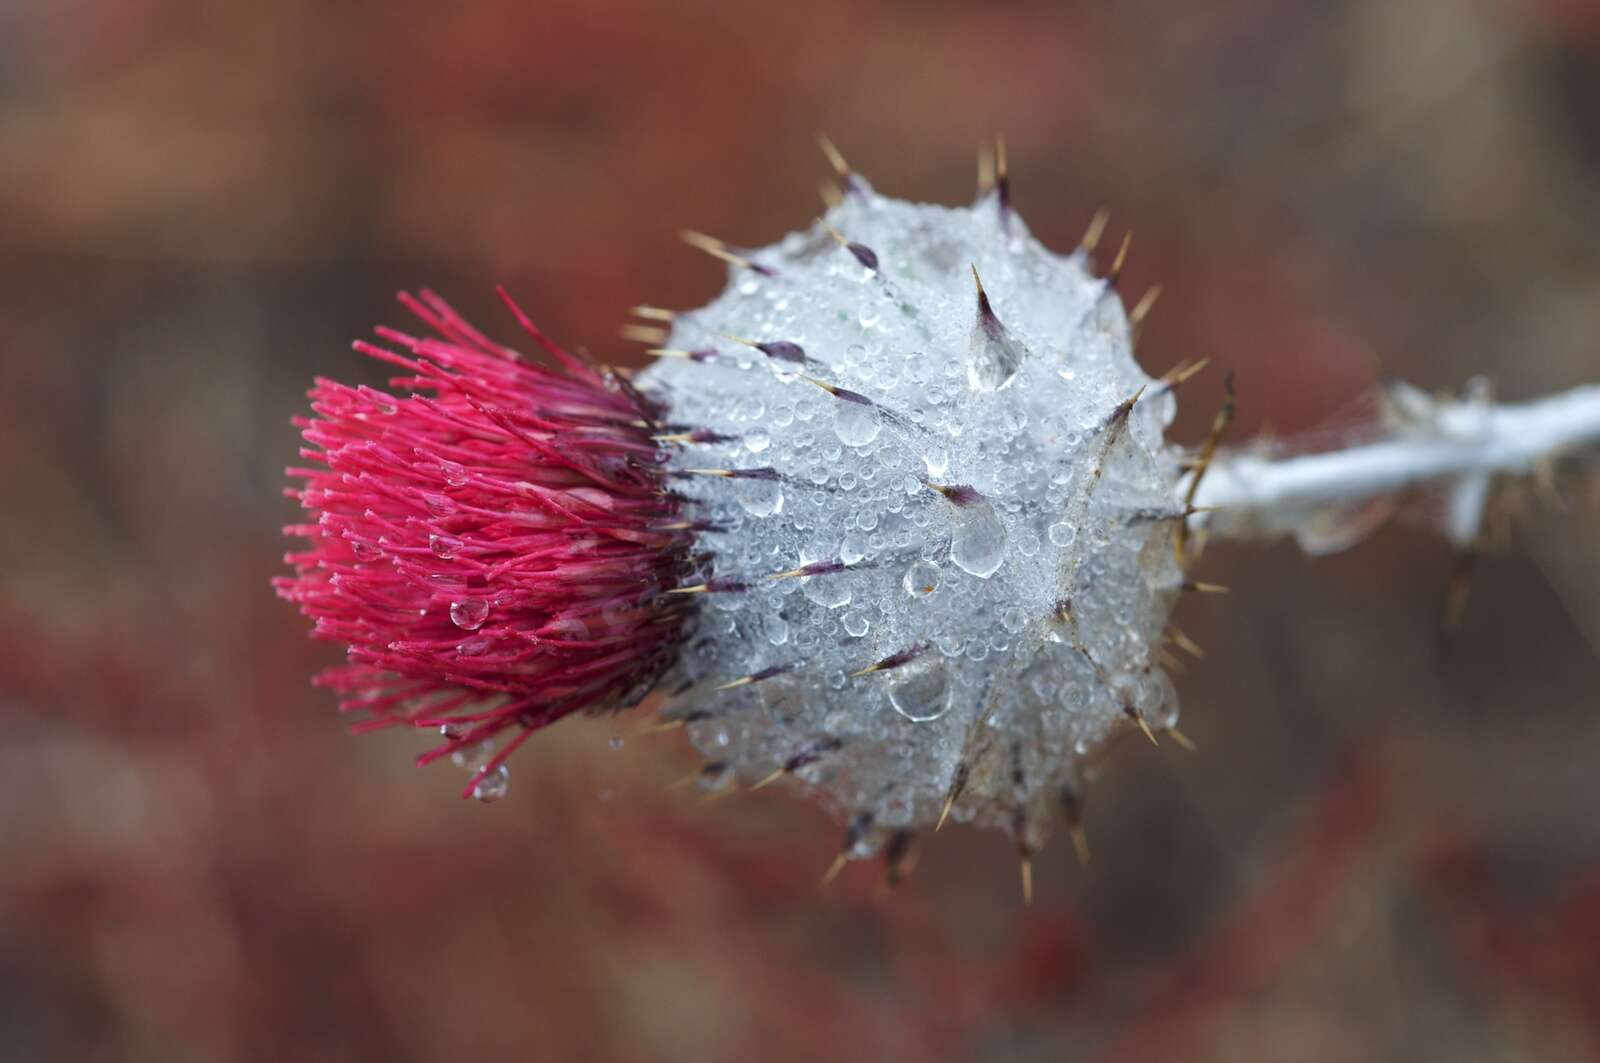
x=760, y=498
x=830, y=590
x=853, y=549
x=777, y=630
x=439, y=505
x=714, y=779
x=455, y=474
x=473, y=758
x=473, y=647
x=469, y=613
x=443, y=546
x=921, y=579
x=856, y=424
x=937, y=459
x=920, y=689
x=1167, y=714
x=493, y=786
x=365, y=551
x=978, y=539
x=1137, y=690
x=855, y=624
x=614, y=742
x=1062, y=534
x=757, y=439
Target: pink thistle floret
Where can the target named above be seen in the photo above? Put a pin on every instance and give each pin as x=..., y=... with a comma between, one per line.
x=492, y=541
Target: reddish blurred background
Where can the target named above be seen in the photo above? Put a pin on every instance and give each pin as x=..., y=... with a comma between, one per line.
x=1387, y=847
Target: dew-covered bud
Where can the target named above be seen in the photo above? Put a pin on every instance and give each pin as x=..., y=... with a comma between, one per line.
x=958, y=582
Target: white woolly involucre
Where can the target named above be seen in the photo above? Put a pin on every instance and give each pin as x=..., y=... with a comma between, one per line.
x=983, y=498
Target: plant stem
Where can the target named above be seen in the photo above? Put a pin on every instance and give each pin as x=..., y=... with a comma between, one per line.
x=1459, y=445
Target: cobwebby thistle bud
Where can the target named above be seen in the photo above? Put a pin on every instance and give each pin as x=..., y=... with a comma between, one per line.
x=954, y=587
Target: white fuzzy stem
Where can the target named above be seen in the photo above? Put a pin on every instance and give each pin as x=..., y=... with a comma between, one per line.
x=1459, y=445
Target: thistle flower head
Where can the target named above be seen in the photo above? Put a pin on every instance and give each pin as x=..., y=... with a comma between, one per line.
x=491, y=540
x=894, y=511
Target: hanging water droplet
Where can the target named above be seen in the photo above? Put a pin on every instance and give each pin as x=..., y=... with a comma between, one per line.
x=978, y=539
x=855, y=624
x=443, y=546
x=856, y=424
x=920, y=689
x=760, y=498
x=1167, y=714
x=474, y=757
x=455, y=474
x=921, y=579
x=715, y=778
x=493, y=786
x=1139, y=691
x=469, y=613
x=439, y=505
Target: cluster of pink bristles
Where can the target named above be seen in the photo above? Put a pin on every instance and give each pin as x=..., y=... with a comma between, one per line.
x=494, y=547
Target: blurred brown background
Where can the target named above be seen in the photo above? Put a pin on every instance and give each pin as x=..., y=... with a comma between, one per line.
x=1388, y=846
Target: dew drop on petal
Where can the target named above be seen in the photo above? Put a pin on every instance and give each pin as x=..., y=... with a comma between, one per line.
x=920, y=690
x=455, y=473
x=757, y=439
x=855, y=624
x=443, y=546
x=473, y=647
x=469, y=613
x=493, y=786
